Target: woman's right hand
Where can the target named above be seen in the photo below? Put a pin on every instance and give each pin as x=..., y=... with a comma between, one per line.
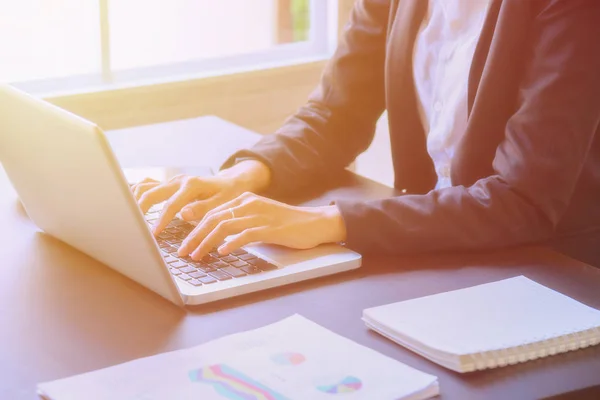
x=193, y=196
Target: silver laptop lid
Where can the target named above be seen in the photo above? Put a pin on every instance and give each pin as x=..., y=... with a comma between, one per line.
x=73, y=188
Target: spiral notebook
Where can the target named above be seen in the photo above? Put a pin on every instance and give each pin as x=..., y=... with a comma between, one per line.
x=488, y=326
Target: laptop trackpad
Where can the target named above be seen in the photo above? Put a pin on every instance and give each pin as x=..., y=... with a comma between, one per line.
x=327, y=254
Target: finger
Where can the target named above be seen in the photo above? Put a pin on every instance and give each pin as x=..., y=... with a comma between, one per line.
x=172, y=207
x=230, y=205
x=156, y=195
x=176, y=178
x=203, y=229
x=236, y=208
x=198, y=209
x=252, y=235
x=143, y=181
x=142, y=188
x=223, y=230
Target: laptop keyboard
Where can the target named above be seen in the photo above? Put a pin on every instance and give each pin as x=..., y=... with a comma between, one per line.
x=213, y=267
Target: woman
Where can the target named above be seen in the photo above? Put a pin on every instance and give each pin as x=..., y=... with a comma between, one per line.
x=494, y=114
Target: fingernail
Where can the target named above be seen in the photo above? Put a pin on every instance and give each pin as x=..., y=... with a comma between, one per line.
x=187, y=213
x=222, y=249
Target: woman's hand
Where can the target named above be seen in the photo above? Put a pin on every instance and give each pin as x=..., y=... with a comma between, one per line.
x=194, y=196
x=251, y=218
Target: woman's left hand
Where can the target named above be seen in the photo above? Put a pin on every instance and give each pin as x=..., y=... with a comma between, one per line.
x=251, y=218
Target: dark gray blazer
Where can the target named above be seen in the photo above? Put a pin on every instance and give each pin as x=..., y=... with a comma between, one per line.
x=528, y=167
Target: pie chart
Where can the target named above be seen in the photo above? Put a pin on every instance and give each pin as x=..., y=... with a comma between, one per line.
x=349, y=384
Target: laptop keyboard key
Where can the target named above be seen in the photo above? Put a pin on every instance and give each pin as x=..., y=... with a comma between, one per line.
x=169, y=259
x=251, y=270
x=239, y=264
x=238, y=252
x=268, y=267
x=188, y=269
x=210, y=259
x=187, y=259
x=236, y=273
x=220, y=275
x=197, y=274
x=264, y=266
x=207, y=279
x=229, y=259
x=204, y=267
x=247, y=256
x=195, y=282
x=186, y=229
x=220, y=264
x=175, y=271
x=185, y=277
x=178, y=264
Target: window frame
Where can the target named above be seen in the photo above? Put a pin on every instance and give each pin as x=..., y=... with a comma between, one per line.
x=319, y=46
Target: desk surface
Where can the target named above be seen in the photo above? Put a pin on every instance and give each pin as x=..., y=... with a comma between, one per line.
x=62, y=313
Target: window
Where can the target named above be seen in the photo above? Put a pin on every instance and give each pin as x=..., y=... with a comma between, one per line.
x=40, y=39
x=73, y=45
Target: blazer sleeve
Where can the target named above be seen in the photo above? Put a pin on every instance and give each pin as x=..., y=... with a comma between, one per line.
x=536, y=166
x=338, y=121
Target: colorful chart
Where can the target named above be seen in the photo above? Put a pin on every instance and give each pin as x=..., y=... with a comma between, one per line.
x=348, y=385
x=288, y=358
x=232, y=384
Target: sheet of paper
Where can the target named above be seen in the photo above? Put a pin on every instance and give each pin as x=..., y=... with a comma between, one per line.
x=291, y=359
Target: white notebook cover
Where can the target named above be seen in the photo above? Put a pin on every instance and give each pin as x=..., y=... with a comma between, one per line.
x=489, y=317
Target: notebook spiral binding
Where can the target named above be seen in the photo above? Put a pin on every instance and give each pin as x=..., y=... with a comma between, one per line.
x=537, y=349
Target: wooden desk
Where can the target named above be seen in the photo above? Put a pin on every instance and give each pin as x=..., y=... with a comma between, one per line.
x=62, y=313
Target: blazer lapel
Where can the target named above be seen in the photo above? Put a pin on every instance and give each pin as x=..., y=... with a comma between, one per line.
x=413, y=167
x=492, y=89
x=482, y=49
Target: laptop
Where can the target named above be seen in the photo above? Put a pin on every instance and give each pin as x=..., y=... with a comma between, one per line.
x=74, y=189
